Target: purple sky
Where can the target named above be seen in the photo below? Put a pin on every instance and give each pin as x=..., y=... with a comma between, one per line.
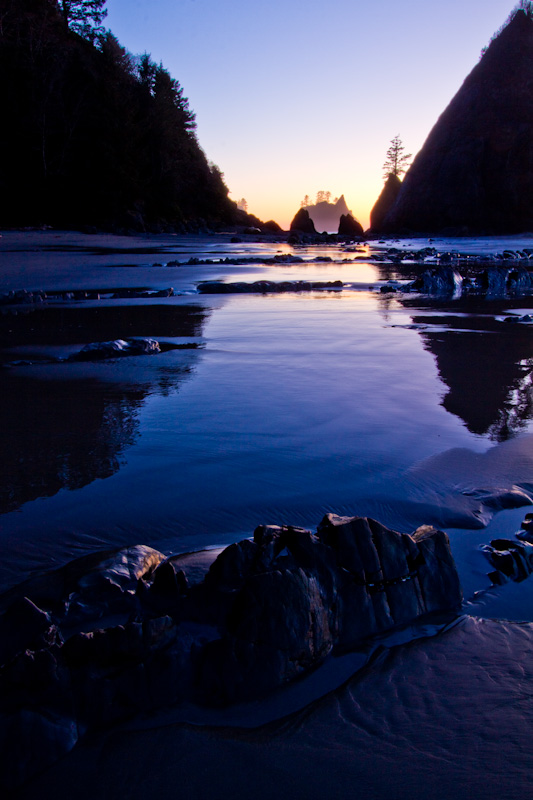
x=296, y=96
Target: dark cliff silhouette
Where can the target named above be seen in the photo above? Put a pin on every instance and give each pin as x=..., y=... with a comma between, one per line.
x=385, y=201
x=92, y=135
x=474, y=174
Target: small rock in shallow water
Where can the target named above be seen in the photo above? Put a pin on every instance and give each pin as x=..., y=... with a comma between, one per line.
x=441, y=280
x=97, y=351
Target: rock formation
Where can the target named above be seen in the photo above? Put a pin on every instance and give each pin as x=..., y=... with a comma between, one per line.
x=512, y=560
x=271, y=226
x=290, y=598
x=121, y=632
x=96, y=351
x=302, y=222
x=326, y=215
x=492, y=282
x=474, y=173
x=264, y=287
x=385, y=202
x=348, y=226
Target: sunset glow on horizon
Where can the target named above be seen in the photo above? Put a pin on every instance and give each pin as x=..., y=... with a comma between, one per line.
x=295, y=97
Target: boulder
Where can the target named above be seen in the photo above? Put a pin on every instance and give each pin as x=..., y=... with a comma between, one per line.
x=97, y=351
x=512, y=559
x=267, y=611
x=165, y=590
x=439, y=280
x=302, y=222
x=110, y=586
x=403, y=576
x=289, y=598
x=493, y=281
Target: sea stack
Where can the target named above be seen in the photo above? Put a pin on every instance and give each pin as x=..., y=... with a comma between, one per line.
x=302, y=222
x=326, y=215
x=474, y=174
x=348, y=226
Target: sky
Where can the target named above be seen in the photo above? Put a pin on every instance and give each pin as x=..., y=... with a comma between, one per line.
x=296, y=96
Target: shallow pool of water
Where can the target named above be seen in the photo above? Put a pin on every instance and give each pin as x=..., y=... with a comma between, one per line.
x=280, y=409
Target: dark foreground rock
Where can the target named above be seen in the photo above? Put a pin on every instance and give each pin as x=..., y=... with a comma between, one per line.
x=512, y=559
x=111, y=635
x=290, y=598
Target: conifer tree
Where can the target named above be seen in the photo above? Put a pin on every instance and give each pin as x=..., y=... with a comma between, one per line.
x=396, y=161
x=84, y=16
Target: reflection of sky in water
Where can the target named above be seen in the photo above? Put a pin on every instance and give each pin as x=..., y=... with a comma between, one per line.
x=298, y=405
x=348, y=272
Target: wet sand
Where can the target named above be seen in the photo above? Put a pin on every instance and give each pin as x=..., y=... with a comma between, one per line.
x=449, y=716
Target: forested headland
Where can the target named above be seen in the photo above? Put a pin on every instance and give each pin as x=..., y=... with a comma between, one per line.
x=94, y=136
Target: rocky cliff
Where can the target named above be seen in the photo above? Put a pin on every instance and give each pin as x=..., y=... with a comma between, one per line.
x=385, y=202
x=474, y=173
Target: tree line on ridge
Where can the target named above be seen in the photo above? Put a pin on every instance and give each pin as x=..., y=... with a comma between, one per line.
x=93, y=135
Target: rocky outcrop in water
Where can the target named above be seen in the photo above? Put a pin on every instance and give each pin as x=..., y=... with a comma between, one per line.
x=292, y=598
x=97, y=351
x=512, y=559
x=492, y=282
x=474, y=173
x=118, y=633
x=441, y=280
x=348, y=226
x=265, y=287
x=302, y=222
